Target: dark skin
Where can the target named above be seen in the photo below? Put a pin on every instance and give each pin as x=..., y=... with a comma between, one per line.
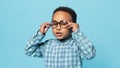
x=64, y=32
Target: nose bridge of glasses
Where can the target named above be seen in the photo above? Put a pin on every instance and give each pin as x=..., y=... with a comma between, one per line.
x=61, y=22
x=58, y=25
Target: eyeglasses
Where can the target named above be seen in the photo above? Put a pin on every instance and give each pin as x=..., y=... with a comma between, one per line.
x=62, y=24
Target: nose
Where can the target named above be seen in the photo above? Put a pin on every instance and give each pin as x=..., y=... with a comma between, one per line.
x=58, y=27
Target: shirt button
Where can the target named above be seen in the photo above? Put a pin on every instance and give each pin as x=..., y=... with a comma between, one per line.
x=62, y=46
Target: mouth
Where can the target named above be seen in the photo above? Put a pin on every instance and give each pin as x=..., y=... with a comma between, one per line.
x=58, y=34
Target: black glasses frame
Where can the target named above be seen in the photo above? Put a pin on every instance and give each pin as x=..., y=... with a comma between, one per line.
x=62, y=24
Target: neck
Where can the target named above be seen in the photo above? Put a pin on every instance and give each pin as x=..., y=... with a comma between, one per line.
x=65, y=39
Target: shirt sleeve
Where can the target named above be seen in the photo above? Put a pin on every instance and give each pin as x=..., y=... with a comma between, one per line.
x=86, y=48
x=34, y=46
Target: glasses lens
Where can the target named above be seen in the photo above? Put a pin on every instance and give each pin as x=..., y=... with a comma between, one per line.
x=63, y=24
x=54, y=24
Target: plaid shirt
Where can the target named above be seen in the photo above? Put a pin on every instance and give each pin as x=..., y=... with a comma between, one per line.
x=67, y=53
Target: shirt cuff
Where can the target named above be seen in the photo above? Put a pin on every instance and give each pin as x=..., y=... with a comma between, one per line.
x=40, y=34
x=77, y=34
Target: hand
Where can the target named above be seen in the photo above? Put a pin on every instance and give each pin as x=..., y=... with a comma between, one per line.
x=44, y=27
x=73, y=25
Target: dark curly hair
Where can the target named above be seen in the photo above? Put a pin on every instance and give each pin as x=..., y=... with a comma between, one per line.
x=68, y=10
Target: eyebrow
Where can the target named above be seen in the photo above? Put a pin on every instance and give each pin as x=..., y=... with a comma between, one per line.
x=58, y=22
x=53, y=21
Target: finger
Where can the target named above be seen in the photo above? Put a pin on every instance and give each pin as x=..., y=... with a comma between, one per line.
x=71, y=23
x=47, y=23
x=47, y=26
x=43, y=26
x=46, y=29
x=68, y=26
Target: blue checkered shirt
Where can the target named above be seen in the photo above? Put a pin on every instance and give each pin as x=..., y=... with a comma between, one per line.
x=67, y=53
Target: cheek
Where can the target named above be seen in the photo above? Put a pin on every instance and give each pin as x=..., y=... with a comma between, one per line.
x=66, y=31
x=53, y=31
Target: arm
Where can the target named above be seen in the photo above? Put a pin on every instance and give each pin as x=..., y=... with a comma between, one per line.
x=86, y=47
x=35, y=47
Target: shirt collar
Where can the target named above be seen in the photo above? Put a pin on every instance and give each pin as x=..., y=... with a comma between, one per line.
x=65, y=41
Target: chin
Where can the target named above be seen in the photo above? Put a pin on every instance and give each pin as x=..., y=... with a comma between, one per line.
x=60, y=38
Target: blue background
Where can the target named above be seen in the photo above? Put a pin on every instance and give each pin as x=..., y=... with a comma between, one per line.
x=20, y=19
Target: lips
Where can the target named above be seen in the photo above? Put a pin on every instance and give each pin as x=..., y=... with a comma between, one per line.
x=58, y=34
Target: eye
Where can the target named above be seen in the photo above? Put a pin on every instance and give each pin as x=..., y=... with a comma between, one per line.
x=54, y=23
x=63, y=23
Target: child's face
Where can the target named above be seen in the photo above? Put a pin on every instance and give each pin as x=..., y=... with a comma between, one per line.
x=61, y=33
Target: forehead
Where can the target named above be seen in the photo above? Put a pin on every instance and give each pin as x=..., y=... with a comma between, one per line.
x=61, y=15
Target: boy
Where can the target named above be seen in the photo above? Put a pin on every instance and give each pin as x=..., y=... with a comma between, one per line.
x=70, y=45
